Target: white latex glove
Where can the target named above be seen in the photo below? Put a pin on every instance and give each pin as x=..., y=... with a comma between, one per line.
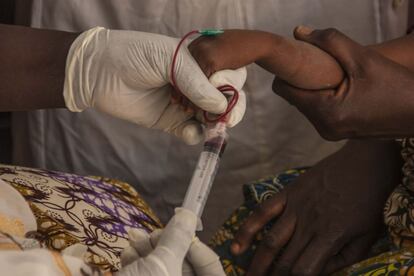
x=127, y=74
x=200, y=259
x=236, y=78
x=168, y=255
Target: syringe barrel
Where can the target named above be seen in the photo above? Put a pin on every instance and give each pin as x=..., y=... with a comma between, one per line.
x=206, y=169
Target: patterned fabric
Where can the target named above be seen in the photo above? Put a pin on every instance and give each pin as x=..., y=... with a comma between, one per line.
x=70, y=209
x=399, y=209
x=399, y=262
x=392, y=262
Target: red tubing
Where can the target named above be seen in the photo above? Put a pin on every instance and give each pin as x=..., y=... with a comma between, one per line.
x=224, y=88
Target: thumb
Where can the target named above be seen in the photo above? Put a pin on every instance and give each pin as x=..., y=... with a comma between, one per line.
x=139, y=239
x=139, y=246
x=345, y=50
x=203, y=260
x=187, y=268
x=236, y=78
x=192, y=82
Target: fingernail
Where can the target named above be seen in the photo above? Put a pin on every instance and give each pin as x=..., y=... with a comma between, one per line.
x=304, y=30
x=235, y=248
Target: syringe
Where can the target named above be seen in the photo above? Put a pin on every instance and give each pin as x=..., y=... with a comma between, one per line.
x=214, y=143
x=206, y=169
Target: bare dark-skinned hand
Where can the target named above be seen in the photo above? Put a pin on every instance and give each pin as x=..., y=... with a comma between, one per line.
x=376, y=98
x=329, y=217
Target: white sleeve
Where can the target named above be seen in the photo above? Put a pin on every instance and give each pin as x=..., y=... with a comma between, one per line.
x=41, y=262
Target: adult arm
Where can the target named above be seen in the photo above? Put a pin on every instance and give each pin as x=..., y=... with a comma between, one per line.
x=32, y=67
x=126, y=74
x=329, y=217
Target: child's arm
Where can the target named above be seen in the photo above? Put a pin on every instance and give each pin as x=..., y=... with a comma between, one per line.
x=299, y=63
x=400, y=50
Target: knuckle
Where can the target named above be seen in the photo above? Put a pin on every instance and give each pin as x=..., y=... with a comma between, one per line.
x=244, y=232
x=327, y=36
x=261, y=210
x=271, y=242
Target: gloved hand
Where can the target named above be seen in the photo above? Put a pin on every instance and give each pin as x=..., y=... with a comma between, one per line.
x=200, y=259
x=167, y=257
x=127, y=74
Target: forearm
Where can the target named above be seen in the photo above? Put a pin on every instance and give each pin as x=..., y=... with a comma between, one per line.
x=306, y=66
x=301, y=64
x=382, y=157
x=400, y=50
x=373, y=164
x=32, y=70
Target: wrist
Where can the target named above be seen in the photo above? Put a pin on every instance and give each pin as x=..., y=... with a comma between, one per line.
x=79, y=64
x=398, y=50
x=301, y=64
x=384, y=152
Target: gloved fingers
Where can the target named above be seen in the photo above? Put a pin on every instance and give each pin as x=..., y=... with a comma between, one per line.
x=186, y=104
x=128, y=256
x=203, y=260
x=136, y=235
x=192, y=82
x=237, y=114
x=140, y=241
x=187, y=268
x=176, y=238
x=155, y=237
x=235, y=78
x=191, y=132
x=175, y=120
x=76, y=250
